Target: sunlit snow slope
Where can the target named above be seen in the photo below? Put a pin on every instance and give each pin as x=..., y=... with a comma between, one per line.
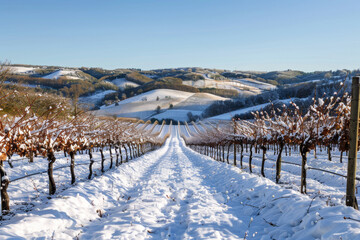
x=144, y=105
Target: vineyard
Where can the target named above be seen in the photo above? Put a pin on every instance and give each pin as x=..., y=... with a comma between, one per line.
x=33, y=145
x=283, y=133
x=74, y=175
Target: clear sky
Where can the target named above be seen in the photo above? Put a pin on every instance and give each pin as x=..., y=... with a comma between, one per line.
x=240, y=34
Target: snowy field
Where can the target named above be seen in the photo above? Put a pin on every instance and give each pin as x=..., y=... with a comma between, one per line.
x=71, y=74
x=96, y=97
x=144, y=105
x=320, y=184
x=22, y=70
x=176, y=193
x=29, y=192
x=122, y=83
x=245, y=87
x=257, y=84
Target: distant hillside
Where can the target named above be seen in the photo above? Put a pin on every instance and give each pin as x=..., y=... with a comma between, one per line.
x=98, y=87
x=304, y=90
x=160, y=104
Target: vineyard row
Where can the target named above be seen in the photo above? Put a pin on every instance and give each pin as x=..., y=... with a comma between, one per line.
x=29, y=135
x=326, y=124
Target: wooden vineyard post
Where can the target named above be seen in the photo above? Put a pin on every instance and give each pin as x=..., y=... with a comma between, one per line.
x=4, y=182
x=72, y=167
x=51, y=160
x=234, y=142
x=354, y=128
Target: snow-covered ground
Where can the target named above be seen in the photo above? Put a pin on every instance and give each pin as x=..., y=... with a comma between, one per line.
x=122, y=83
x=320, y=184
x=22, y=70
x=71, y=74
x=176, y=193
x=95, y=97
x=155, y=95
x=29, y=192
x=257, y=84
x=245, y=87
x=144, y=105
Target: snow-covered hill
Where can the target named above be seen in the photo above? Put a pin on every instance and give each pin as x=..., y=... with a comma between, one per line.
x=22, y=70
x=122, y=83
x=245, y=87
x=144, y=105
x=99, y=82
x=95, y=98
x=68, y=73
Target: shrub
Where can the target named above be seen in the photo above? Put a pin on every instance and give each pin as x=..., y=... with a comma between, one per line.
x=170, y=80
x=228, y=93
x=138, y=78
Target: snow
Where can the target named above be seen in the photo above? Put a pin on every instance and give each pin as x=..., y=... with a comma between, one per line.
x=184, y=131
x=22, y=70
x=176, y=193
x=152, y=95
x=320, y=184
x=257, y=84
x=200, y=101
x=241, y=88
x=176, y=114
x=62, y=72
x=245, y=87
x=96, y=97
x=144, y=105
x=122, y=83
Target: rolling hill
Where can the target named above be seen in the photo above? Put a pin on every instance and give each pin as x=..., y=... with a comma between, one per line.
x=144, y=106
x=172, y=93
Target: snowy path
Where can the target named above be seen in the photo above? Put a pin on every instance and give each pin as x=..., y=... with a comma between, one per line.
x=172, y=200
x=176, y=193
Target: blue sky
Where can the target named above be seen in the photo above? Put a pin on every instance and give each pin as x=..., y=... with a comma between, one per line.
x=244, y=35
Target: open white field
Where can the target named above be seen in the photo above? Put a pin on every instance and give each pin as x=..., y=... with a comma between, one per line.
x=144, y=105
x=122, y=83
x=71, y=74
x=95, y=97
x=245, y=87
x=22, y=70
